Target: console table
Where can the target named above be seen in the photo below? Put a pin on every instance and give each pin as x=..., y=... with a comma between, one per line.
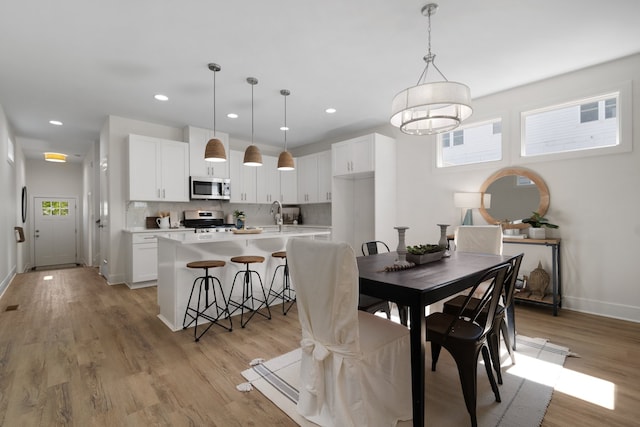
x=555, y=299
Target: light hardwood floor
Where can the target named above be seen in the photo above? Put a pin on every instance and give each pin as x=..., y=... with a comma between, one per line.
x=79, y=352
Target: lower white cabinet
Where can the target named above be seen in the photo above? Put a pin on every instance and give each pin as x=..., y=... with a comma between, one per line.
x=142, y=257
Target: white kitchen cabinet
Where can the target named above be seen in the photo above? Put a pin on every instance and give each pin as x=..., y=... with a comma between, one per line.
x=308, y=179
x=158, y=169
x=289, y=185
x=243, y=179
x=268, y=180
x=367, y=200
x=198, y=166
x=314, y=178
x=142, y=257
x=324, y=176
x=354, y=156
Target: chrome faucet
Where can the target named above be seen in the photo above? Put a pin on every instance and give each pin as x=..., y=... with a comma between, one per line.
x=278, y=214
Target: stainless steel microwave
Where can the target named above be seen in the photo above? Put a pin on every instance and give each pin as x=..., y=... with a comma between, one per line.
x=208, y=188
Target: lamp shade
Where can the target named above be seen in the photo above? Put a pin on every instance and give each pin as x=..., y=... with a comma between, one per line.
x=252, y=156
x=285, y=161
x=471, y=200
x=55, y=157
x=431, y=108
x=214, y=152
x=467, y=200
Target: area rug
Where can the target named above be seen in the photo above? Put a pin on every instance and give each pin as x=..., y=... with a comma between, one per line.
x=526, y=389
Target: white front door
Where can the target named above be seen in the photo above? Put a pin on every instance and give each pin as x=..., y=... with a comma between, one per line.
x=54, y=231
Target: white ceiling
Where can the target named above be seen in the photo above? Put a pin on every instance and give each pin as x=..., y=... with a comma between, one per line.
x=79, y=61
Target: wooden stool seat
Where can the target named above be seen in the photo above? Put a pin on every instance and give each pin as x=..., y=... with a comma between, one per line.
x=206, y=264
x=279, y=254
x=247, y=259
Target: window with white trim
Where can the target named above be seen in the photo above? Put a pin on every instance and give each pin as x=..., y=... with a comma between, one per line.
x=477, y=143
x=579, y=125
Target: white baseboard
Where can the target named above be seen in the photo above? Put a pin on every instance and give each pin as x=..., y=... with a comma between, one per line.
x=600, y=308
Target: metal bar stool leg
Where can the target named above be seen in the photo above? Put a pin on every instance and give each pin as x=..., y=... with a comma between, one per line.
x=205, y=283
x=247, y=291
x=285, y=294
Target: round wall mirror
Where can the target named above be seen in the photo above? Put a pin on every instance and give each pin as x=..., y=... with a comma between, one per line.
x=515, y=194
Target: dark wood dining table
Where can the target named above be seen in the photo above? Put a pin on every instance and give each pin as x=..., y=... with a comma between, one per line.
x=417, y=288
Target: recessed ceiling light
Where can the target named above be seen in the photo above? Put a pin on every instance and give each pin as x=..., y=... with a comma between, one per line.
x=55, y=122
x=55, y=157
x=232, y=115
x=284, y=128
x=330, y=110
x=161, y=97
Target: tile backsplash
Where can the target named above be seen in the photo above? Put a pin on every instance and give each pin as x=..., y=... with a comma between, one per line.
x=312, y=214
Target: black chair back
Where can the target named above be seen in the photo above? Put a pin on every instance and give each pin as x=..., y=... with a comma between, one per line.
x=371, y=248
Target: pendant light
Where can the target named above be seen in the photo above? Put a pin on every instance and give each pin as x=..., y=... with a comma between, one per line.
x=214, y=152
x=252, y=156
x=430, y=108
x=285, y=160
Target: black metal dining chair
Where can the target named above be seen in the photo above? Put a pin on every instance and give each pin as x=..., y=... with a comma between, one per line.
x=464, y=336
x=366, y=302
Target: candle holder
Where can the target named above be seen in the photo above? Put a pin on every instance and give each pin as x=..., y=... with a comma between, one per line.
x=444, y=242
x=402, y=248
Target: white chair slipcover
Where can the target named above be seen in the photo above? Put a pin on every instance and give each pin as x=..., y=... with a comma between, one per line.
x=355, y=367
x=486, y=239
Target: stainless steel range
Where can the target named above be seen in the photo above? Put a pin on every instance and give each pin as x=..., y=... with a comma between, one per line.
x=206, y=221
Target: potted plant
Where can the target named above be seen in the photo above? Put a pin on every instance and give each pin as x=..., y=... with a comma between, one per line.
x=422, y=254
x=538, y=225
x=239, y=215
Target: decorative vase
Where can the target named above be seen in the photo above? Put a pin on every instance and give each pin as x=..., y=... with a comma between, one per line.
x=240, y=222
x=444, y=242
x=537, y=233
x=402, y=248
x=538, y=281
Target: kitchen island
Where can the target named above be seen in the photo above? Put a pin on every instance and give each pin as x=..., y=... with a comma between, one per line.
x=175, y=251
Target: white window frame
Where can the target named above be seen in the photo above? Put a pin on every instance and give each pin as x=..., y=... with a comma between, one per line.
x=438, y=154
x=624, y=116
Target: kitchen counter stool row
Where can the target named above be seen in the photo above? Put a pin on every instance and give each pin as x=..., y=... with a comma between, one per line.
x=217, y=309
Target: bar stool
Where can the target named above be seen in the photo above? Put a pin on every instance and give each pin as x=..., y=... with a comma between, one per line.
x=286, y=293
x=220, y=308
x=247, y=290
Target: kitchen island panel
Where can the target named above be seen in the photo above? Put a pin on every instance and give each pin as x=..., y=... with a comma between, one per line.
x=175, y=279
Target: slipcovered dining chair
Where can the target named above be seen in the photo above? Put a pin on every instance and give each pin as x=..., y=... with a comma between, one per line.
x=367, y=302
x=464, y=336
x=486, y=239
x=355, y=367
x=499, y=323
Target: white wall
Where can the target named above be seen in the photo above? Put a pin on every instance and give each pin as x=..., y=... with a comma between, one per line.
x=113, y=153
x=595, y=200
x=8, y=213
x=47, y=179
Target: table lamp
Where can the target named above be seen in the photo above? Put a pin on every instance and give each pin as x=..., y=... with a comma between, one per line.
x=468, y=201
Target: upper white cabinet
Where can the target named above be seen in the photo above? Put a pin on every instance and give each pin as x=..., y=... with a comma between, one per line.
x=158, y=169
x=366, y=194
x=324, y=176
x=354, y=156
x=289, y=185
x=198, y=166
x=308, y=179
x=314, y=178
x=243, y=179
x=268, y=180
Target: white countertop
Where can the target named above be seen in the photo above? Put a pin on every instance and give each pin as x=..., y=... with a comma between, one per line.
x=156, y=230
x=227, y=236
x=270, y=227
